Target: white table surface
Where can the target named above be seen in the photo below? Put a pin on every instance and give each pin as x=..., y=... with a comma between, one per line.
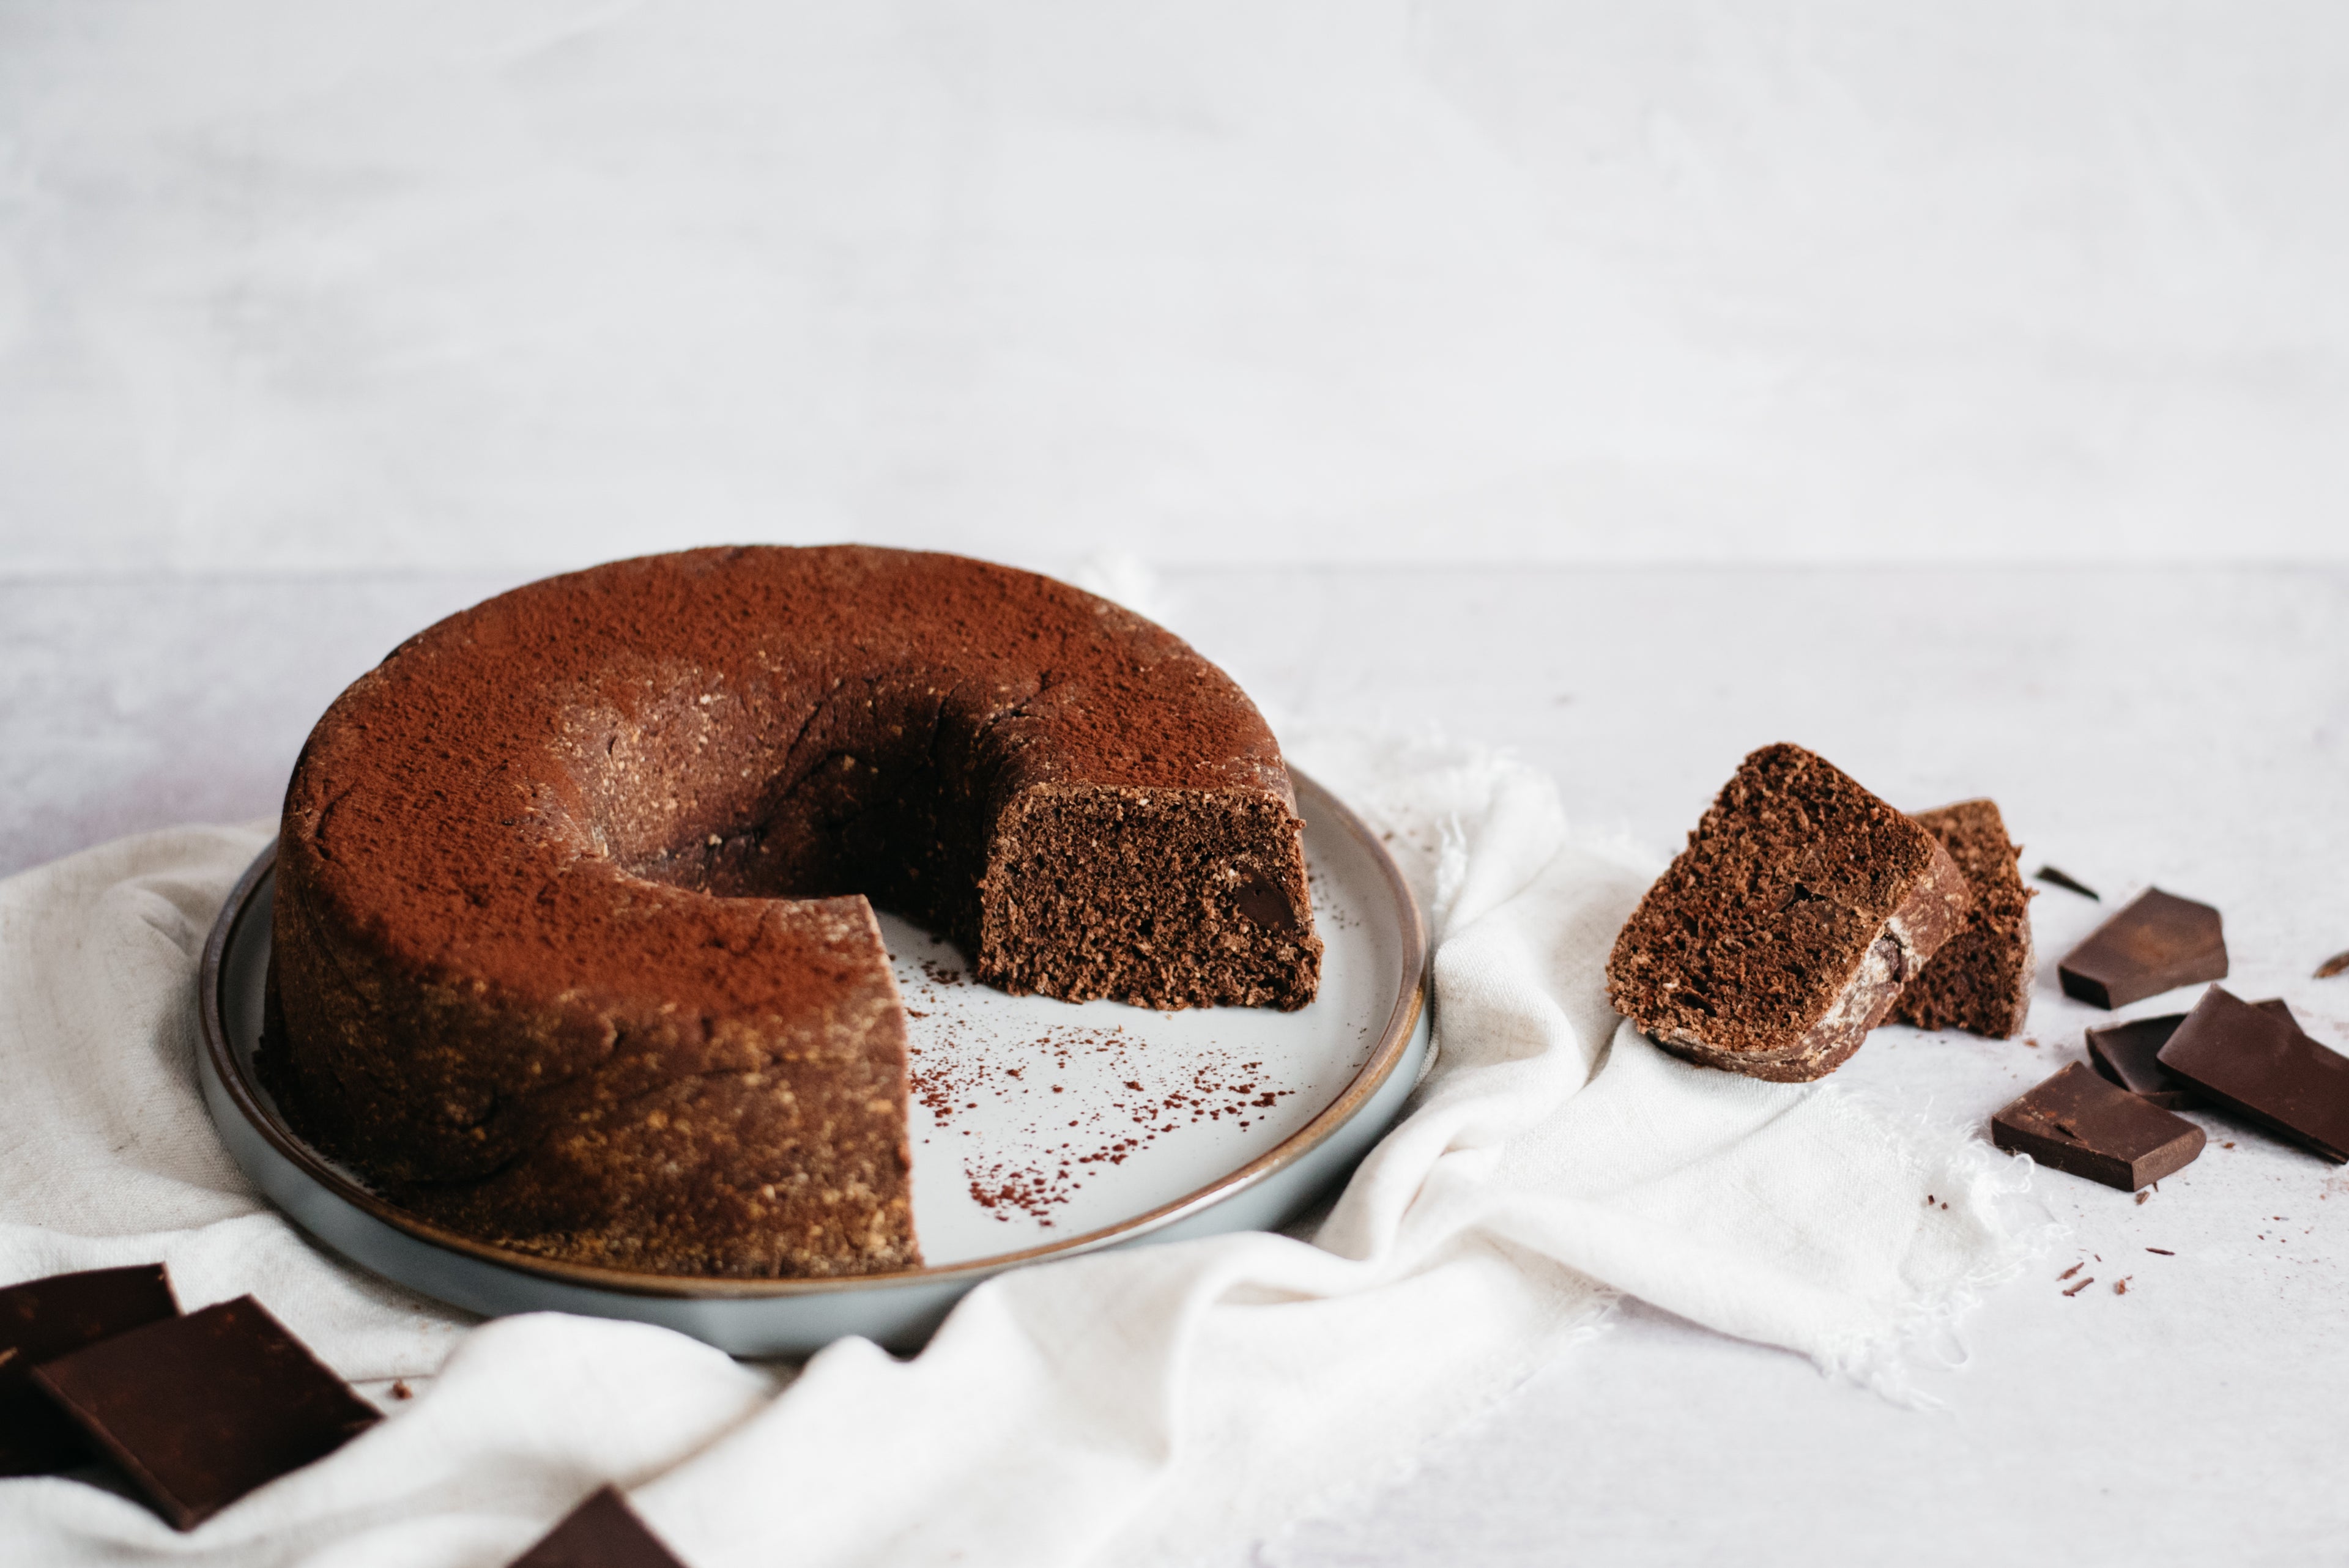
x=2185, y=727
x=336, y=285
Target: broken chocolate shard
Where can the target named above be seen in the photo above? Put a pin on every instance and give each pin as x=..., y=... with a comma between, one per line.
x=202, y=1409
x=2077, y=1123
x=2264, y=1068
x=2333, y=965
x=42, y=1319
x=2055, y=878
x=2127, y=1054
x=2159, y=942
x=601, y=1532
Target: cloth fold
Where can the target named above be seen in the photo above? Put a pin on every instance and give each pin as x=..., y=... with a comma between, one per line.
x=1163, y=1404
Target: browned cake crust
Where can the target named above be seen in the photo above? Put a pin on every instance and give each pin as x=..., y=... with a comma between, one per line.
x=1980, y=981
x=572, y=944
x=1782, y=935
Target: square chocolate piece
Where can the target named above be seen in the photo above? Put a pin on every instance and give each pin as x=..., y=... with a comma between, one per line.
x=601, y=1532
x=2124, y=1054
x=42, y=1319
x=2158, y=943
x=202, y=1409
x=2078, y=1122
x=2265, y=1069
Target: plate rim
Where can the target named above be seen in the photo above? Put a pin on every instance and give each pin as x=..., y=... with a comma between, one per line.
x=1402, y=1019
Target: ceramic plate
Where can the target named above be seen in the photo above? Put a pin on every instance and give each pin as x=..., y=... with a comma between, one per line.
x=1040, y=1128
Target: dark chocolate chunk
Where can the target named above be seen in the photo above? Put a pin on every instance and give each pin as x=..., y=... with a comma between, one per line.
x=2333, y=965
x=2078, y=1122
x=2055, y=878
x=2124, y=1054
x=199, y=1410
x=2265, y=1069
x=1262, y=901
x=2157, y=943
x=45, y=1318
x=601, y=1532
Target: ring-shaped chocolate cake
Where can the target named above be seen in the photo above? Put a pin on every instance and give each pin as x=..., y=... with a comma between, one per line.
x=575, y=949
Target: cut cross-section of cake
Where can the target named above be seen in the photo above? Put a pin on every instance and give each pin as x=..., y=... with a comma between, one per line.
x=1980, y=981
x=1783, y=932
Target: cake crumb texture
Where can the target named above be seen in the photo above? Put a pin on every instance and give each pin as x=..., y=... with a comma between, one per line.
x=1980, y=981
x=1785, y=928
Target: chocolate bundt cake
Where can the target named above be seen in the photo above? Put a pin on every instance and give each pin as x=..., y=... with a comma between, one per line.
x=572, y=949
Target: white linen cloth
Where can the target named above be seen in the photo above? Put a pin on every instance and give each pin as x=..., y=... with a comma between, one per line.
x=1155, y=1405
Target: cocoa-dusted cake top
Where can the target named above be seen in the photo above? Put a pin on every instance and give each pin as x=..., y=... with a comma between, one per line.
x=729, y=721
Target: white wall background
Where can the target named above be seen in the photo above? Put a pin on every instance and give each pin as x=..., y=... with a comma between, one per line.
x=293, y=286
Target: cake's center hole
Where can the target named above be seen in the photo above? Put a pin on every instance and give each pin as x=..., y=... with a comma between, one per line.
x=873, y=789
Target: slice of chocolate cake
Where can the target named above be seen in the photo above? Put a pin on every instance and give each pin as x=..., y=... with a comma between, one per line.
x=1980, y=982
x=1785, y=931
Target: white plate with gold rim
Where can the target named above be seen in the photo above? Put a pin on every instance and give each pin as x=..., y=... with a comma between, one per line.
x=1040, y=1130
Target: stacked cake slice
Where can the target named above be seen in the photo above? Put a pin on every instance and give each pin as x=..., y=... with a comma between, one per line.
x=1805, y=912
x=1980, y=982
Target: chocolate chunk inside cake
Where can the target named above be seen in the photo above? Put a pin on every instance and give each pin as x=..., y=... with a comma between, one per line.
x=575, y=949
x=1980, y=980
x=1785, y=928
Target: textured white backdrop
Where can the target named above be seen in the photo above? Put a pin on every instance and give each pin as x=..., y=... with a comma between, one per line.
x=293, y=286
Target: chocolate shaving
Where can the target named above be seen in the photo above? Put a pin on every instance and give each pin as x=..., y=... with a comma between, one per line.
x=2050, y=875
x=2164, y=1252
x=2068, y=1272
x=2333, y=965
x=2081, y=1285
